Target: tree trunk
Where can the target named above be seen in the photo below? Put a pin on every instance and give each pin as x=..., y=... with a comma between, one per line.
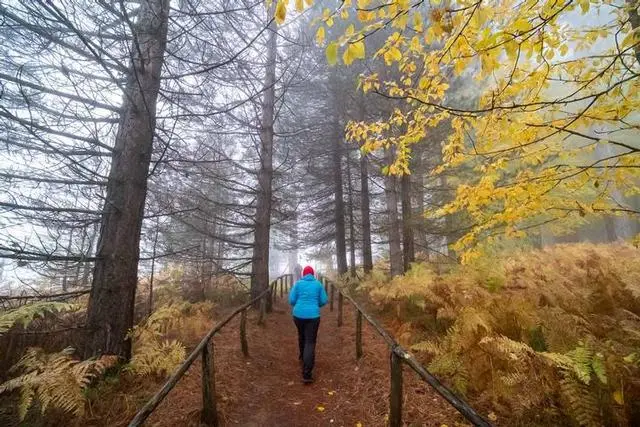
x=260, y=259
x=65, y=272
x=153, y=269
x=408, y=249
x=76, y=275
x=395, y=250
x=112, y=298
x=340, y=236
x=367, y=257
x=86, y=268
x=420, y=235
x=352, y=230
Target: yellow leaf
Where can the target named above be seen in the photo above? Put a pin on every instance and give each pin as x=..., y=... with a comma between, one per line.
x=358, y=424
x=618, y=396
x=492, y=416
x=392, y=55
x=320, y=408
x=353, y=51
x=350, y=31
x=522, y=25
x=332, y=53
x=281, y=12
x=320, y=35
x=417, y=22
x=299, y=5
x=358, y=49
x=344, y=14
x=331, y=393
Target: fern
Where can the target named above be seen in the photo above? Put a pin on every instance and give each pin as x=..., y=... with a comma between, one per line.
x=152, y=353
x=582, y=362
x=27, y=313
x=549, y=330
x=157, y=357
x=580, y=402
x=54, y=380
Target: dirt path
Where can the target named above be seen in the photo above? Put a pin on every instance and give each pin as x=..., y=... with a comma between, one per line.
x=265, y=389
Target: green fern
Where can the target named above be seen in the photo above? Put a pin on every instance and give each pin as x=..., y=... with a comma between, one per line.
x=27, y=313
x=54, y=380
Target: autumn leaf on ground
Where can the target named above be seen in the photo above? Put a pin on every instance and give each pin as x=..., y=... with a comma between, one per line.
x=331, y=393
x=320, y=408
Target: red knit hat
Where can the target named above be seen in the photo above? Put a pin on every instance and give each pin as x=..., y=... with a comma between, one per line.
x=308, y=270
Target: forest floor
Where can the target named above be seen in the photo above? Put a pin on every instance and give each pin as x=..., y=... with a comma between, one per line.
x=265, y=388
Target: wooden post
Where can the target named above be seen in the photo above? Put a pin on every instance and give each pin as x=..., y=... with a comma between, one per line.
x=395, y=394
x=331, y=297
x=263, y=309
x=340, y=303
x=243, y=333
x=326, y=285
x=282, y=283
x=209, y=416
x=358, y=334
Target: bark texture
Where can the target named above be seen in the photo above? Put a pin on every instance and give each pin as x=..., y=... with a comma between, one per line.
x=367, y=256
x=408, y=248
x=391, y=194
x=260, y=259
x=111, y=303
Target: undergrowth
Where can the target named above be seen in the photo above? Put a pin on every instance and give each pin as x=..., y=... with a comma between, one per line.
x=59, y=381
x=548, y=337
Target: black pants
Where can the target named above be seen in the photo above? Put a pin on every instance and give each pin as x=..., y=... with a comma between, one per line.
x=307, y=334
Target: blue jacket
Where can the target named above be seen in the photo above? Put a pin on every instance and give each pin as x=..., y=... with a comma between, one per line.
x=306, y=297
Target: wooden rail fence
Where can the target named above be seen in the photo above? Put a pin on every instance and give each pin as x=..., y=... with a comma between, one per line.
x=209, y=414
x=398, y=357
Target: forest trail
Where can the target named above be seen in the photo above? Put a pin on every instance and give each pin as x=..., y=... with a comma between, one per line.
x=265, y=389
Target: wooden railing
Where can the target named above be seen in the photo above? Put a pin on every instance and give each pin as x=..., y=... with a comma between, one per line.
x=399, y=356
x=209, y=414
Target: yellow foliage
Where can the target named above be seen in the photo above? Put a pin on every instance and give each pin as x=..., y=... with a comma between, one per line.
x=551, y=92
x=531, y=331
x=55, y=380
x=25, y=314
x=153, y=353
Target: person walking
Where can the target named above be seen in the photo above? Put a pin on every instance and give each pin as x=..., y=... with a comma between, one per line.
x=306, y=297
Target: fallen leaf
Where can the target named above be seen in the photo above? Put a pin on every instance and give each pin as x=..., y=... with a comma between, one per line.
x=290, y=383
x=331, y=393
x=358, y=424
x=320, y=408
x=492, y=416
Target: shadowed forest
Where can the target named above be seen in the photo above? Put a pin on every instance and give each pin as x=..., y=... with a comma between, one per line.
x=463, y=175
